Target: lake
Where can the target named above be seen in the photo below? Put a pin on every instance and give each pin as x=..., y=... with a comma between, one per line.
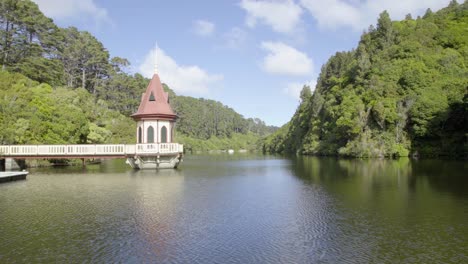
x=240, y=209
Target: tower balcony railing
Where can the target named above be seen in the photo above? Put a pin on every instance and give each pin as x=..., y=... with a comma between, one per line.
x=162, y=148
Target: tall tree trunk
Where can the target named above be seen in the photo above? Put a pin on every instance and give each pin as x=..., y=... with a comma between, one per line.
x=5, y=56
x=83, y=78
x=95, y=83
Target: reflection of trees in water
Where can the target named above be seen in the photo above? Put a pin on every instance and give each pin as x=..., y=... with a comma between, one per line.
x=448, y=176
x=375, y=175
x=372, y=171
x=402, y=205
x=317, y=169
x=358, y=182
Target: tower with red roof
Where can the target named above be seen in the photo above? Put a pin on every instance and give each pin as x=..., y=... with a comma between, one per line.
x=155, y=148
x=155, y=117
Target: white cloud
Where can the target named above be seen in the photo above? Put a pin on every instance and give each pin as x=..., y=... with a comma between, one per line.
x=282, y=15
x=284, y=59
x=235, y=38
x=73, y=9
x=358, y=15
x=187, y=80
x=203, y=28
x=294, y=89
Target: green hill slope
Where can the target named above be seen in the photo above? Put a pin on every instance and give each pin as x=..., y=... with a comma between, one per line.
x=402, y=91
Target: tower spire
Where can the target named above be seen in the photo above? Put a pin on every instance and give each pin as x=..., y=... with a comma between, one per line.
x=156, y=58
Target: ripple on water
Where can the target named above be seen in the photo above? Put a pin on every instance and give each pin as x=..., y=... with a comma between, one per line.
x=228, y=211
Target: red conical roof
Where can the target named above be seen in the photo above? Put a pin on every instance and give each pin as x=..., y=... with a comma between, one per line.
x=155, y=102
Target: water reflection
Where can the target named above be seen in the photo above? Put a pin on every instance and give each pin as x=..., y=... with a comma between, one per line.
x=239, y=209
x=444, y=176
x=413, y=208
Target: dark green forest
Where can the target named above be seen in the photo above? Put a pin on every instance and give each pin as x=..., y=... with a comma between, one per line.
x=60, y=85
x=401, y=92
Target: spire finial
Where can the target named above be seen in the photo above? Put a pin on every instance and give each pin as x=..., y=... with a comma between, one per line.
x=156, y=58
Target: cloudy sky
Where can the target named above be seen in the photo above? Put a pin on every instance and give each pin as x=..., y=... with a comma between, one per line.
x=252, y=55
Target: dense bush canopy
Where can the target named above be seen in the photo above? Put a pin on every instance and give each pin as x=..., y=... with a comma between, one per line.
x=402, y=91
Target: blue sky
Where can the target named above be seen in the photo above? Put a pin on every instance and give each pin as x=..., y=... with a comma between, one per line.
x=252, y=55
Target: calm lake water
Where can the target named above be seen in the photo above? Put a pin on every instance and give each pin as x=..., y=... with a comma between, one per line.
x=240, y=209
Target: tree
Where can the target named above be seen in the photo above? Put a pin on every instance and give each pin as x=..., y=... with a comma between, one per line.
x=85, y=60
x=385, y=30
x=428, y=14
x=26, y=35
x=119, y=64
x=306, y=94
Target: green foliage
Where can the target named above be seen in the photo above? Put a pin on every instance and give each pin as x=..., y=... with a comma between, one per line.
x=237, y=141
x=276, y=142
x=26, y=33
x=99, y=95
x=33, y=113
x=98, y=134
x=403, y=91
x=203, y=119
x=85, y=60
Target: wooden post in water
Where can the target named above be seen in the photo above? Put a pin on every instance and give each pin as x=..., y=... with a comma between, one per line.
x=83, y=162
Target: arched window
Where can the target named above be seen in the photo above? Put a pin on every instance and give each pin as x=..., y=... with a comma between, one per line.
x=140, y=135
x=150, y=135
x=163, y=134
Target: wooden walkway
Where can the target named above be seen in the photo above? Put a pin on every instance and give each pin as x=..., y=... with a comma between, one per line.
x=89, y=151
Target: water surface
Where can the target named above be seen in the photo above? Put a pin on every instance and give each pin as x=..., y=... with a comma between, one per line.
x=240, y=209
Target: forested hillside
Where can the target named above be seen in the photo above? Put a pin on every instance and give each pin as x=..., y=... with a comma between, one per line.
x=36, y=113
x=402, y=91
x=60, y=85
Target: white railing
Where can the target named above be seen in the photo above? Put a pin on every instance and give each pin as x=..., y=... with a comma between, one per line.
x=159, y=148
x=89, y=150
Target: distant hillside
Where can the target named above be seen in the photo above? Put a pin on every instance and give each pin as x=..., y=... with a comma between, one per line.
x=402, y=91
x=74, y=64
x=202, y=118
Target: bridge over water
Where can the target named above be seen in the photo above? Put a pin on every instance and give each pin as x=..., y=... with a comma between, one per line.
x=155, y=123
x=157, y=151
x=89, y=151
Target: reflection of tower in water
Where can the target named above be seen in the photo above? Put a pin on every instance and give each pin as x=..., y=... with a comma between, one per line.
x=158, y=196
